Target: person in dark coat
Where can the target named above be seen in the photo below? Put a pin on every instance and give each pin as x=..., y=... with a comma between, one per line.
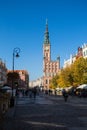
x=65, y=94
x=34, y=91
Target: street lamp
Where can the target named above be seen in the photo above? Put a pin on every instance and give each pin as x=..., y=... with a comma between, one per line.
x=16, y=52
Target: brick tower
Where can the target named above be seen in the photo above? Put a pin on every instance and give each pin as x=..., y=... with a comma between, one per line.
x=50, y=68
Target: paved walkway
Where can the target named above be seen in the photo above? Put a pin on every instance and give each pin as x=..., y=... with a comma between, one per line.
x=80, y=106
x=47, y=113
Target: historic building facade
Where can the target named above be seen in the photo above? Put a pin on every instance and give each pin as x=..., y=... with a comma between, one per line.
x=3, y=73
x=81, y=52
x=50, y=68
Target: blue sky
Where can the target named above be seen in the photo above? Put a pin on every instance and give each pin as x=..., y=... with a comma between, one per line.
x=22, y=24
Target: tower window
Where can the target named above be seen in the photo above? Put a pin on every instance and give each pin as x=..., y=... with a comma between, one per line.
x=46, y=54
x=46, y=81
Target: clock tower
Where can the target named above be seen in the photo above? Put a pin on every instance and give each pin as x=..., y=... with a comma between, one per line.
x=50, y=68
x=46, y=45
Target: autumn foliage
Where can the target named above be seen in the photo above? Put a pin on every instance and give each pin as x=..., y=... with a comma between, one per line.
x=72, y=75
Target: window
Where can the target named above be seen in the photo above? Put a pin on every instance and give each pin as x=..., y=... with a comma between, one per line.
x=46, y=81
x=84, y=53
x=46, y=54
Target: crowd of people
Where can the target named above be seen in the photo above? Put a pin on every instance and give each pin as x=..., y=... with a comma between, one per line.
x=31, y=92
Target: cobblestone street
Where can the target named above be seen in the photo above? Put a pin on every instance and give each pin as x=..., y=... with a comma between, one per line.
x=47, y=113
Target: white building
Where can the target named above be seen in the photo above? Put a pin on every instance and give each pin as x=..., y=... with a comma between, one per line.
x=38, y=82
x=69, y=61
x=84, y=50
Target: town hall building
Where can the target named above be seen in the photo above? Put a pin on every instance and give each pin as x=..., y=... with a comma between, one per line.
x=50, y=68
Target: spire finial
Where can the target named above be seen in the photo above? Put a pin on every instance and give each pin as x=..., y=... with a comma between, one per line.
x=46, y=21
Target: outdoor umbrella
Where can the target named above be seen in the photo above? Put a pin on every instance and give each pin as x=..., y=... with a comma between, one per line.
x=83, y=86
x=6, y=88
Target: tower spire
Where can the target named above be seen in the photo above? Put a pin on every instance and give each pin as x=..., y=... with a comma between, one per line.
x=46, y=39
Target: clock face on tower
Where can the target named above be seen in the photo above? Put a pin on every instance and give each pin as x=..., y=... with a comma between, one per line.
x=47, y=48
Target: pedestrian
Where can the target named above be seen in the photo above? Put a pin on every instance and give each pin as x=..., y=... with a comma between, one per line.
x=34, y=91
x=65, y=94
x=30, y=93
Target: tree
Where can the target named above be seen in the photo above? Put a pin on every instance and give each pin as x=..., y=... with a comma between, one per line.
x=72, y=75
x=66, y=77
x=80, y=71
x=13, y=75
x=12, y=78
x=53, y=82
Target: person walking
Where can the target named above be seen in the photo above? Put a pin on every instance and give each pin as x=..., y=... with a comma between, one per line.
x=34, y=92
x=65, y=95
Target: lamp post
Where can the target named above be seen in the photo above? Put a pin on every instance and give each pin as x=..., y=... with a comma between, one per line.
x=16, y=52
